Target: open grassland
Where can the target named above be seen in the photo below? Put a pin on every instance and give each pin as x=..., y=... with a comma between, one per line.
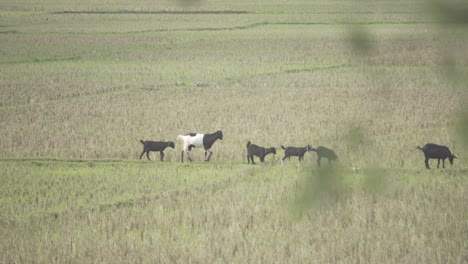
x=82, y=82
x=272, y=86
x=121, y=211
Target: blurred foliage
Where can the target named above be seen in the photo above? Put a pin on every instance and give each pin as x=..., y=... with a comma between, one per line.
x=320, y=187
x=375, y=179
x=462, y=127
x=356, y=137
x=361, y=41
x=327, y=185
x=452, y=15
x=450, y=11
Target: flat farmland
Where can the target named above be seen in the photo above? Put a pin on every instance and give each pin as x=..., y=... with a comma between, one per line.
x=82, y=83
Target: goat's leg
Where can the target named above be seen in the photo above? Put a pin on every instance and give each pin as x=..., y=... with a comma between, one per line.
x=209, y=156
x=318, y=161
x=142, y=154
x=188, y=156
x=182, y=156
x=161, y=153
x=147, y=155
x=443, y=163
x=426, y=162
x=250, y=158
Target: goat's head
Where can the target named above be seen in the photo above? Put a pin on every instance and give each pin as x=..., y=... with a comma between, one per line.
x=309, y=148
x=271, y=150
x=334, y=157
x=451, y=158
x=171, y=144
x=220, y=134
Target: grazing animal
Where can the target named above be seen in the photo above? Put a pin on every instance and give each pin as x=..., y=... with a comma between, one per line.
x=323, y=152
x=261, y=152
x=434, y=151
x=192, y=140
x=294, y=151
x=155, y=146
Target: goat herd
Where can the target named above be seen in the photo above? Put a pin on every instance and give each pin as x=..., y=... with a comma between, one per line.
x=192, y=140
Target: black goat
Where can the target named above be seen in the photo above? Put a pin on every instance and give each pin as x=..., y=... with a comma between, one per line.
x=434, y=151
x=294, y=151
x=155, y=146
x=323, y=152
x=261, y=152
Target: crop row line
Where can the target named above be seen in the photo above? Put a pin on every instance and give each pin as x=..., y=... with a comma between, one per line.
x=118, y=89
x=41, y=60
x=112, y=90
x=213, y=12
x=125, y=87
x=156, y=12
x=262, y=24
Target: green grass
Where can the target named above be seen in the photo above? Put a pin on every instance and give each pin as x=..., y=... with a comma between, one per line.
x=147, y=211
x=55, y=182
x=82, y=83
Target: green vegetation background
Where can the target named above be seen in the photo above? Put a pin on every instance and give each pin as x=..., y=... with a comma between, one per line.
x=82, y=83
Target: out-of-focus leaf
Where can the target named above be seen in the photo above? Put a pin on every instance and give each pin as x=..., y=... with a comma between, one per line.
x=462, y=127
x=320, y=187
x=361, y=41
x=450, y=11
